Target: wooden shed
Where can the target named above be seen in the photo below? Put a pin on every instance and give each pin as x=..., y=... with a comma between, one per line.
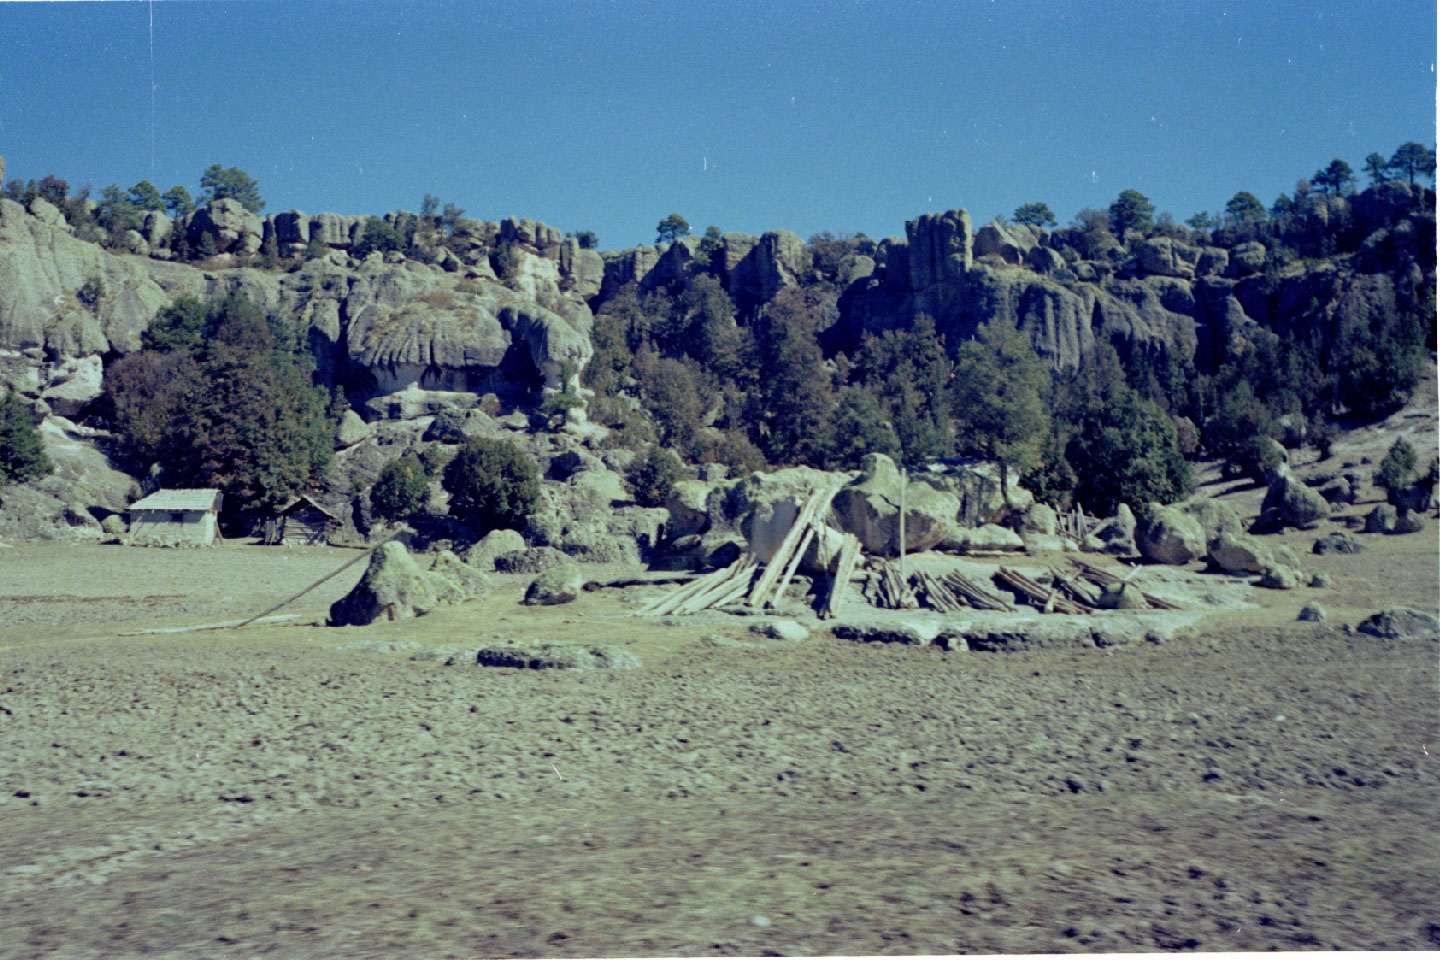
x=176, y=518
x=300, y=522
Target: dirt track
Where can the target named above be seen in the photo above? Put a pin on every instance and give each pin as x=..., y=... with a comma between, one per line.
x=1261, y=785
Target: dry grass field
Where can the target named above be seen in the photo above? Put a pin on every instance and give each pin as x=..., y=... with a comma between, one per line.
x=294, y=790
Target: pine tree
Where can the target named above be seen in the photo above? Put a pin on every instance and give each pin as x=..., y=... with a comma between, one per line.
x=795, y=418
x=22, y=453
x=999, y=398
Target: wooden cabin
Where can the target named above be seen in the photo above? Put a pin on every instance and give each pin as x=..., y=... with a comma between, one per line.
x=301, y=522
x=176, y=518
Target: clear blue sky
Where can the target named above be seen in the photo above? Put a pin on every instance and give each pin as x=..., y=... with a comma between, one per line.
x=846, y=116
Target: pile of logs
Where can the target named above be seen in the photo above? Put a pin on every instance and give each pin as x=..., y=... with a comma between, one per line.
x=1101, y=576
x=1050, y=600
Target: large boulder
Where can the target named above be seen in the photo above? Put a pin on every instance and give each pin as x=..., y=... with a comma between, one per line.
x=1168, y=535
x=1238, y=553
x=457, y=426
x=393, y=588
x=1115, y=536
x=1166, y=257
x=561, y=583
x=1381, y=520
x=482, y=555
x=1009, y=244
x=869, y=508
x=1214, y=517
x=352, y=429
x=231, y=227
x=1290, y=503
x=533, y=560
x=455, y=581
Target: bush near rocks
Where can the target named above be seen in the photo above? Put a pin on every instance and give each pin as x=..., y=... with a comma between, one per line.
x=654, y=475
x=492, y=483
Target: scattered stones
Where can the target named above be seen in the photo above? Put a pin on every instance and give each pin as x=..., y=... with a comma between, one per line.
x=561, y=583
x=1401, y=623
x=912, y=632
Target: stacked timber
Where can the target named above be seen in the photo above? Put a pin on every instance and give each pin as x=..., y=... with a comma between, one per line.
x=1045, y=599
x=844, y=570
x=890, y=591
x=713, y=590
x=1101, y=576
x=974, y=594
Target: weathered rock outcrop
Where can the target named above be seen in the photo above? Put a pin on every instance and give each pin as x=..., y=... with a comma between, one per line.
x=393, y=588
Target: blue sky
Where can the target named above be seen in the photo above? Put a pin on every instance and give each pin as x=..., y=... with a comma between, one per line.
x=843, y=116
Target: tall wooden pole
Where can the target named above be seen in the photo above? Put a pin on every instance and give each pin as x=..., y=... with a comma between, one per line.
x=903, y=478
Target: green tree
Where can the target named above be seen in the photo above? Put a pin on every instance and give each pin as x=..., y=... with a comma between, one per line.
x=860, y=428
x=672, y=228
x=1336, y=179
x=794, y=419
x=651, y=477
x=181, y=326
x=429, y=205
x=145, y=197
x=1132, y=210
x=1411, y=159
x=909, y=372
x=1244, y=207
x=147, y=393
x=999, y=399
x=1201, y=221
x=1394, y=473
x=450, y=218
x=492, y=483
x=270, y=253
x=708, y=321
x=1377, y=169
x=1035, y=215
x=377, y=235
x=218, y=182
x=53, y=189
x=178, y=202
x=1282, y=207
x=22, y=454
x=401, y=490
x=1126, y=451
x=115, y=211
x=710, y=245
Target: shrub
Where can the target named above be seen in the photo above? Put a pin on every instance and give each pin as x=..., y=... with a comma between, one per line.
x=91, y=291
x=378, y=235
x=492, y=483
x=652, y=476
x=1393, y=474
x=401, y=491
x=1258, y=457
x=22, y=454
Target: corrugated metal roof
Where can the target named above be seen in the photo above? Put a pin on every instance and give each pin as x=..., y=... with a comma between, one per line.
x=179, y=500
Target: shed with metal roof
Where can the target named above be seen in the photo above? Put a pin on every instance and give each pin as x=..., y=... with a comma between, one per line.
x=176, y=518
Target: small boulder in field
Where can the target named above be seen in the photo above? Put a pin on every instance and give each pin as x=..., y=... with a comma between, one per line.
x=546, y=655
x=1280, y=577
x=1381, y=520
x=782, y=630
x=1168, y=535
x=1312, y=613
x=1407, y=521
x=534, y=560
x=1401, y=623
x=393, y=588
x=1289, y=503
x=1338, y=542
x=113, y=526
x=559, y=584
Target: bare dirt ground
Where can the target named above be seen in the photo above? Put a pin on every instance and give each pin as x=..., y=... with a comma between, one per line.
x=287, y=790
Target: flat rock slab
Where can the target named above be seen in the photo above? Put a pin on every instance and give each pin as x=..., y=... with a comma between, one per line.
x=1401, y=623
x=1013, y=633
x=556, y=656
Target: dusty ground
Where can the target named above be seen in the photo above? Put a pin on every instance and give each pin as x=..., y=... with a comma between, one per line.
x=286, y=790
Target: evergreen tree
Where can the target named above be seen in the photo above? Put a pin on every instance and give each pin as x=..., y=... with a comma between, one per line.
x=999, y=399
x=1336, y=179
x=1282, y=207
x=22, y=453
x=672, y=228
x=401, y=490
x=1132, y=210
x=178, y=202
x=1393, y=474
x=115, y=211
x=860, y=428
x=909, y=372
x=219, y=182
x=1126, y=451
x=1035, y=215
x=795, y=417
x=145, y=197
x=1412, y=159
x=1244, y=207
x=1377, y=169
x=492, y=483
x=651, y=477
